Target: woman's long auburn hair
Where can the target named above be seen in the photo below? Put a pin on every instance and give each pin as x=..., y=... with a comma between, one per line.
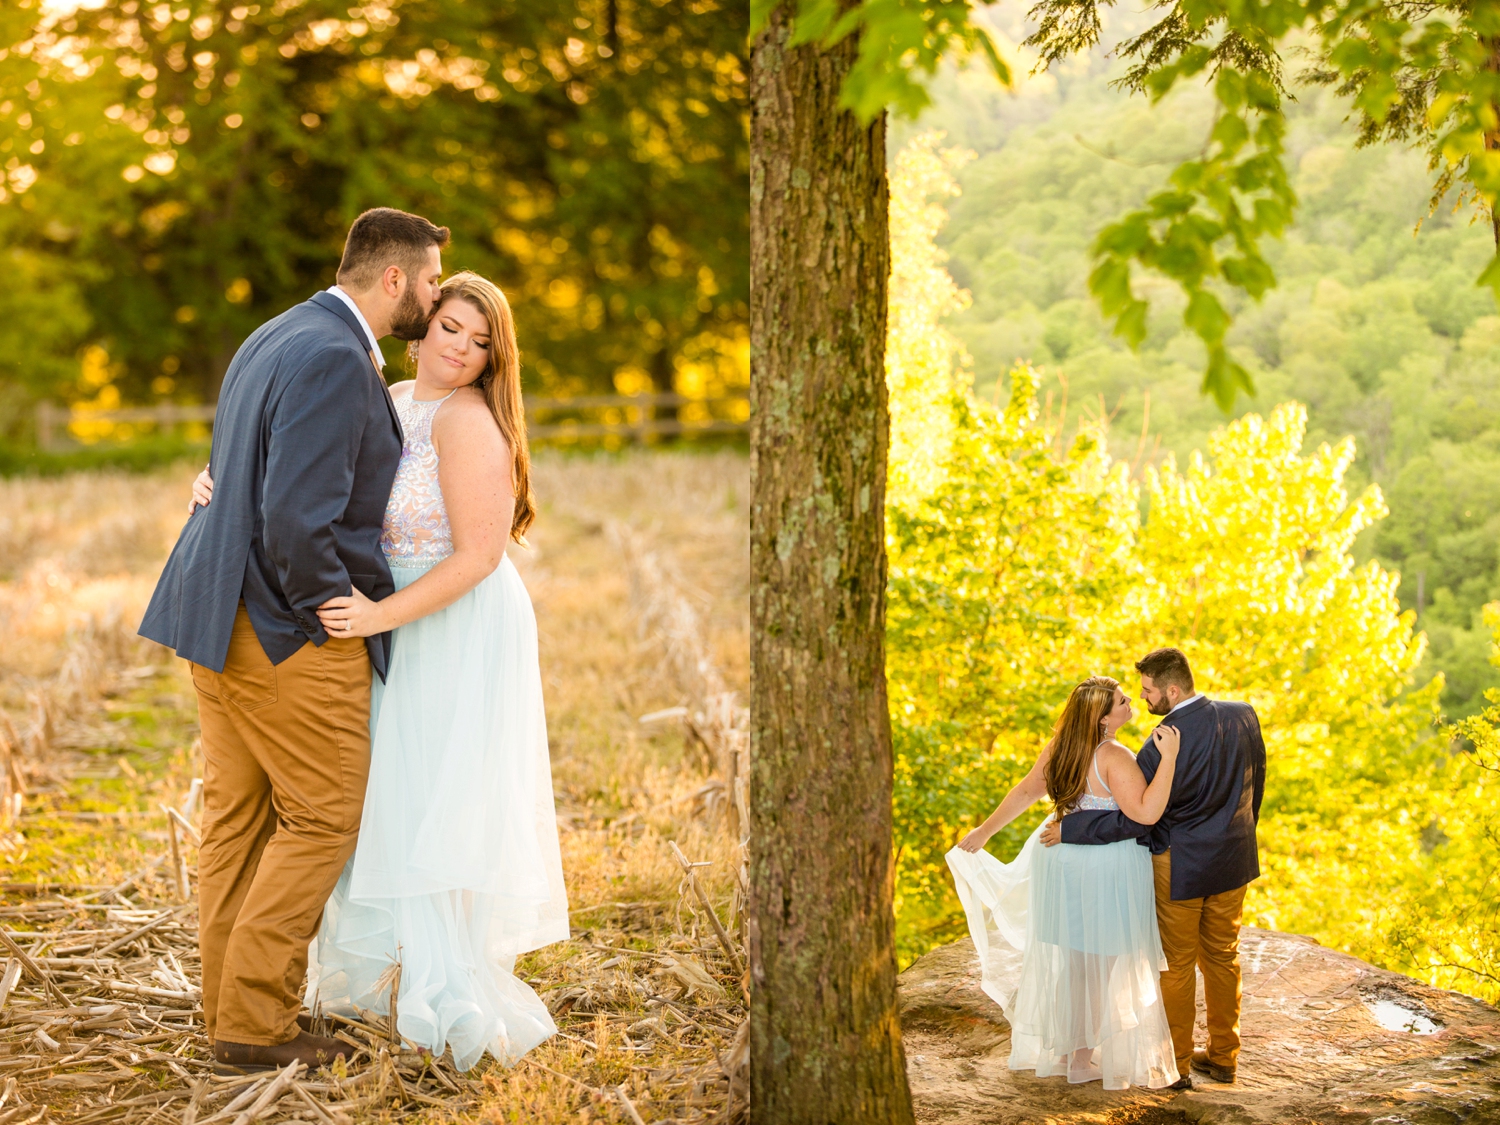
x=1077, y=735
x=500, y=383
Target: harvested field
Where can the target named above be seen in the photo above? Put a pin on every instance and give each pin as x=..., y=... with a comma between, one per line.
x=639, y=573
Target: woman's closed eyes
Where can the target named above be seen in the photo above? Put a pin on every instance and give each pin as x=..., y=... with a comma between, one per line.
x=452, y=328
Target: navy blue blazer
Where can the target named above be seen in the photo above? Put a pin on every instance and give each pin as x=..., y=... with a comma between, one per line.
x=1211, y=814
x=305, y=448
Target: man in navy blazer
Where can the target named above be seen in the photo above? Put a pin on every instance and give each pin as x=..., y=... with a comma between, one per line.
x=306, y=445
x=1203, y=852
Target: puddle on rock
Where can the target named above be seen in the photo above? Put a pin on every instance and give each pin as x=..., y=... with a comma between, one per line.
x=1395, y=1016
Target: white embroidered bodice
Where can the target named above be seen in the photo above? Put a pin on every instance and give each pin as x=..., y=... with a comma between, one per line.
x=1089, y=800
x=416, y=521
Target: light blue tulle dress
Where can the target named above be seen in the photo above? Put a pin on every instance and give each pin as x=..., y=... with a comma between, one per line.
x=1069, y=948
x=458, y=869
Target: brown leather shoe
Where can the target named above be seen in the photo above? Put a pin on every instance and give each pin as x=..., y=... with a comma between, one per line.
x=1204, y=1066
x=1183, y=1083
x=314, y=1050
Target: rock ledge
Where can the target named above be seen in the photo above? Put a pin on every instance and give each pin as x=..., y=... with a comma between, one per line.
x=1327, y=1039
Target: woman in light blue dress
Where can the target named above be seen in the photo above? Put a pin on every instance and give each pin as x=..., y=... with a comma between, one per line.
x=457, y=870
x=1067, y=936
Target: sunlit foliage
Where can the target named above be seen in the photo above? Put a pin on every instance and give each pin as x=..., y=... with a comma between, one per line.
x=1032, y=564
x=921, y=294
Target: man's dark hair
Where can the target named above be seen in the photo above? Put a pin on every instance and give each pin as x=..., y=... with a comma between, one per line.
x=1167, y=666
x=383, y=237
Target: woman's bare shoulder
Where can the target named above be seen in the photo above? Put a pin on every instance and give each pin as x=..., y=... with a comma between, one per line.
x=403, y=388
x=1114, y=750
x=465, y=407
x=466, y=416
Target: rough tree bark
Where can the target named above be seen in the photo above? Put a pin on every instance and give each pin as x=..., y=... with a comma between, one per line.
x=825, y=1043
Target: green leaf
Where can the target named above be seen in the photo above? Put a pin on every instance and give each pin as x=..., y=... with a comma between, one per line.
x=1491, y=276
x=812, y=21
x=1252, y=275
x=997, y=65
x=1127, y=238
x=1130, y=325
x=1206, y=316
x=1110, y=284
x=1229, y=88
x=1232, y=133
x=1225, y=379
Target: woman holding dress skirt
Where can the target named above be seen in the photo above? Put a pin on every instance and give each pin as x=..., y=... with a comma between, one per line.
x=457, y=870
x=1067, y=936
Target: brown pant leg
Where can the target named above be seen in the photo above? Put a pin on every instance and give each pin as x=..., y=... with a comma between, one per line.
x=1219, y=958
x=306, y=722
x=237, y=822
x=1179, y=923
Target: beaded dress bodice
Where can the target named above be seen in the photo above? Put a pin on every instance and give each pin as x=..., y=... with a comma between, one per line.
x=416, y=521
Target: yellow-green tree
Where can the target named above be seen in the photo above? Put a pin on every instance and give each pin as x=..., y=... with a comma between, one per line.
x=1450, y=922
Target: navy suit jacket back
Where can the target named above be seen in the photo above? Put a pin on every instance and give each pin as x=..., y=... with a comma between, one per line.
x=306, y=444
x=1214, y=806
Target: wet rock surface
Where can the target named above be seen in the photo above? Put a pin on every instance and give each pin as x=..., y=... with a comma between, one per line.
x=1327, y=1039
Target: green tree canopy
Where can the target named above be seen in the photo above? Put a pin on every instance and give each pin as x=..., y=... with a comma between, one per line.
x=177, y=173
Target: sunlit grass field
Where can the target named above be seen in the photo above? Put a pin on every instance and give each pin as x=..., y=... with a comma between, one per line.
x=638, y=567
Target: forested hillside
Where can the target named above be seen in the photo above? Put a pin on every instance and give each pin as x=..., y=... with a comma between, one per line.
x=1376, y=326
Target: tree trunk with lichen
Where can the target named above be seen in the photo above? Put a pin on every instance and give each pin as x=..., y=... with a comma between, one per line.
x=825, y=1042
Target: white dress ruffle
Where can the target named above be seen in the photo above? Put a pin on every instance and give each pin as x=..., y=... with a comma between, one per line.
x=458, y=869
x=1068, y=943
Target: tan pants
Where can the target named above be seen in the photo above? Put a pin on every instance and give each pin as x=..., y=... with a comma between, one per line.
x=1201, y=933
x=286, y=753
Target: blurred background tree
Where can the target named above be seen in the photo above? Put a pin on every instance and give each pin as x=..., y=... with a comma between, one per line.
x=177, y=173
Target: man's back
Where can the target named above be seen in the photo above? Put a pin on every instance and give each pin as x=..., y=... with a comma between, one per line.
x=306, y=445
x=1209, y=822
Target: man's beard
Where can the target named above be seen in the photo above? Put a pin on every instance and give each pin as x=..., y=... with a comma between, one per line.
x=1161, y=707
x=409, y=320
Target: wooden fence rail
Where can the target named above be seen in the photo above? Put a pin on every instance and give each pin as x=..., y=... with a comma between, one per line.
x=640, y=417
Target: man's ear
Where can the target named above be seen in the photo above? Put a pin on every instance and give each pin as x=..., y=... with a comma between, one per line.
x=392, y=281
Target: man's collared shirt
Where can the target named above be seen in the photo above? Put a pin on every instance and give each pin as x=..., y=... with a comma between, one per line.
x=363, y=323
x=1184, y=703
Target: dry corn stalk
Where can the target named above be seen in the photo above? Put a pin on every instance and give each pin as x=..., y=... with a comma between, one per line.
x=12, y=780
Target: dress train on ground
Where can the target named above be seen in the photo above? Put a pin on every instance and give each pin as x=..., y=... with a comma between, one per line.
x=1068, y=944
x=458, y=869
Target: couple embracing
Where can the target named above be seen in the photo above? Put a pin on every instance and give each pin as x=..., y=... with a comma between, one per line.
x=1091, y=939
x=378, y=814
